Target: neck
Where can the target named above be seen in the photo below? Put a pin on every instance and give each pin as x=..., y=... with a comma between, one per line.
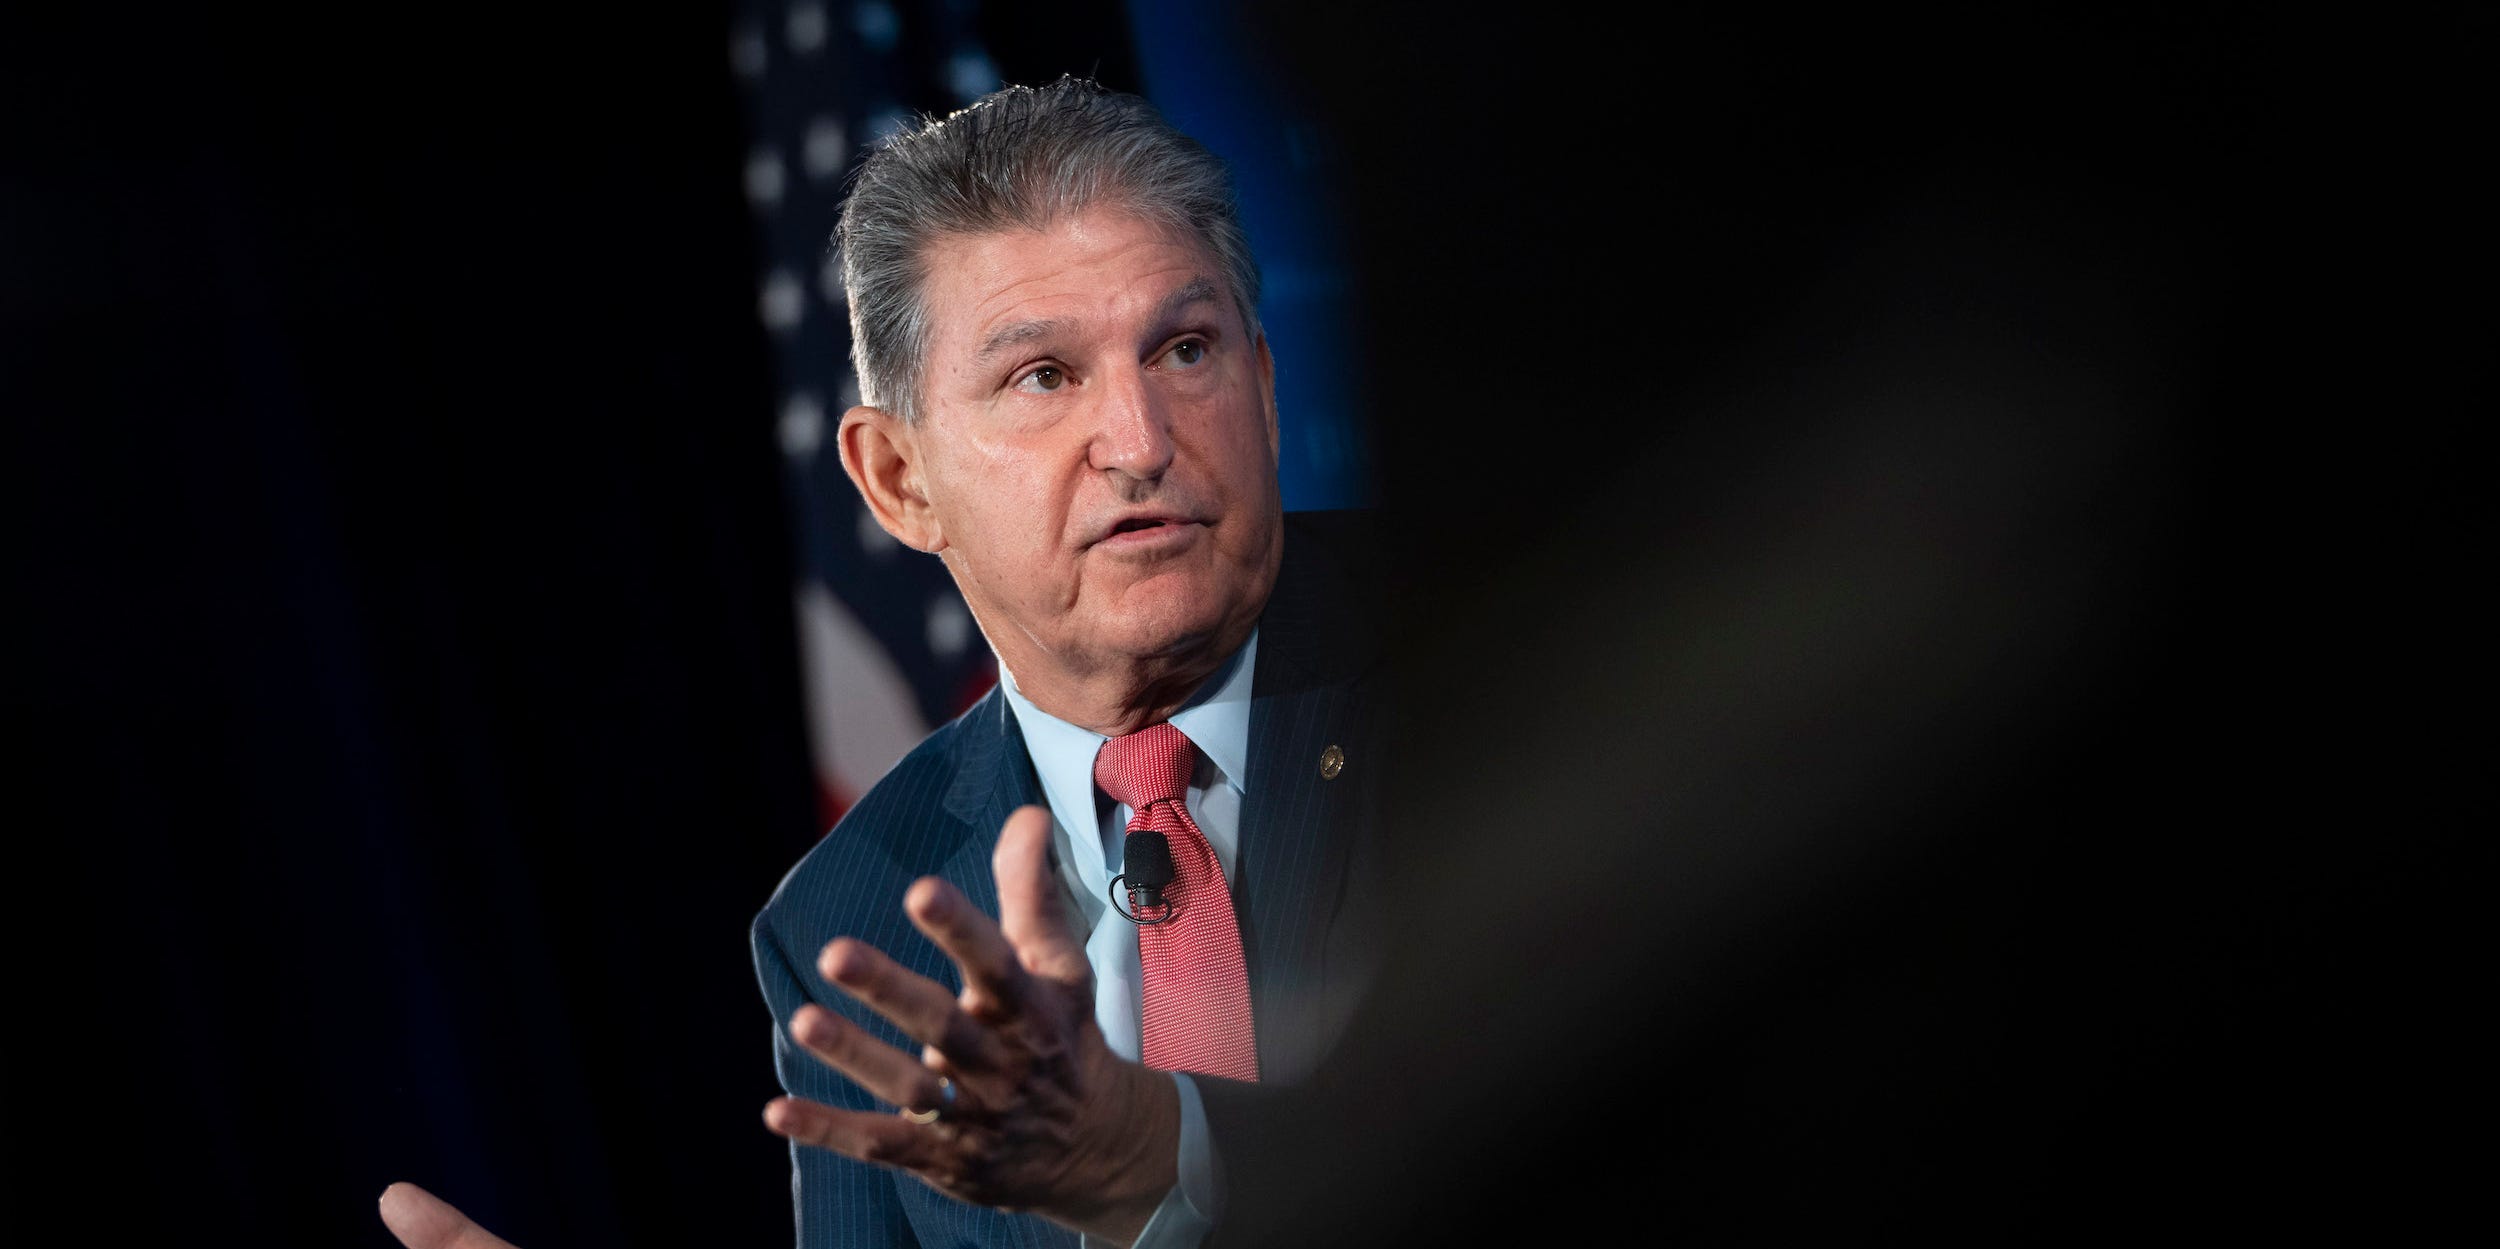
x=1120, y=699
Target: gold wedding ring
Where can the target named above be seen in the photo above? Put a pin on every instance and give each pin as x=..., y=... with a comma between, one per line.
x=946, y=1098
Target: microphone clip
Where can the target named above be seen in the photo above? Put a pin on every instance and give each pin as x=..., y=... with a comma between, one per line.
x=1143, y=901
x=1146, y=863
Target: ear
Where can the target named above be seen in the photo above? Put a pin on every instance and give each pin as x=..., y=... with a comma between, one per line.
x=882, y=455
x=1267, y=390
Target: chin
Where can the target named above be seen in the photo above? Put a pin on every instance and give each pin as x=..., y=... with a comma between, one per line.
x=1170, y=630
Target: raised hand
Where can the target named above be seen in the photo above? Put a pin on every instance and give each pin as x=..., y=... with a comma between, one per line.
x=1015, y=1100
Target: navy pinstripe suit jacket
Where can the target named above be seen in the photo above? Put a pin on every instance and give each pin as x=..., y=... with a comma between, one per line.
x=939, y=810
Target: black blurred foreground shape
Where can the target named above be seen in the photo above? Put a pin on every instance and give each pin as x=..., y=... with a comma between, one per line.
x=1932, y=549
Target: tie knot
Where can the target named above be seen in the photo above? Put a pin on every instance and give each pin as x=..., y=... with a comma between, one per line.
x=1148, y=766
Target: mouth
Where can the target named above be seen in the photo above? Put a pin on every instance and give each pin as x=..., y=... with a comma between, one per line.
x=1146, y=530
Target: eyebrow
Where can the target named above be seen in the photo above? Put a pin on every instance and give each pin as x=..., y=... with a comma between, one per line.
x=1007, y=336
x=1197, y=291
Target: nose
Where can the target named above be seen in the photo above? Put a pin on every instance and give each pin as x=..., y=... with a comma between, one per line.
x=1133, y=427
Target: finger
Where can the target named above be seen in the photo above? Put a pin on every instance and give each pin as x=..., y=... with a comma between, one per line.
x=972, y=939
x=1029, y=912
x=890, y=1074
x=886, y=1140
x=422, y=1220
x=924, y=1009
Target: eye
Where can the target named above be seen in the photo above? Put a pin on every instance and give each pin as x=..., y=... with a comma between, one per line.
x=1187, y=352
x=1042, y=380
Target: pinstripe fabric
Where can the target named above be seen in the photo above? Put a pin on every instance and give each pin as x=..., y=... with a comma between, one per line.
x=1303, y=854
x=938, y=812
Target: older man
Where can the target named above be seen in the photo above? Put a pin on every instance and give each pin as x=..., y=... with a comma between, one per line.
x=1131, y=861
x=1068, y=399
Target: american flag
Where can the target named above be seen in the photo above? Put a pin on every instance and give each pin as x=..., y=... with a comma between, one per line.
x=887, y=647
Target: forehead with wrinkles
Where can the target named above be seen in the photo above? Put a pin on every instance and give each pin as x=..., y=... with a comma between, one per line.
x=993, y=296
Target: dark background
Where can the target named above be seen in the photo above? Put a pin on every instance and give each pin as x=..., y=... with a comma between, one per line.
x=1941, y=624
x=1947, y=533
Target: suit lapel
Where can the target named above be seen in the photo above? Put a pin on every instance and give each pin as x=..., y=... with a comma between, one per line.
x=1301, y=827
x=993, y=778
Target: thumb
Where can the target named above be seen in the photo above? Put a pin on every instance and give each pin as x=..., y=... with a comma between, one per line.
x=422, y=1220
x=1030, y=913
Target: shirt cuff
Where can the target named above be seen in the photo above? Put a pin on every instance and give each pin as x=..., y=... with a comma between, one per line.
x=1195, y=1204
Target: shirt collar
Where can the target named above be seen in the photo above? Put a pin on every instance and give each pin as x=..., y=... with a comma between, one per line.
x=1216, y=719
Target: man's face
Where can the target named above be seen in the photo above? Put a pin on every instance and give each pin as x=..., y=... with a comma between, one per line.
x=1098, y=447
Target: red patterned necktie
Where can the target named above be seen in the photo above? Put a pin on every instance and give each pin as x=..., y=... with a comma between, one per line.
x=1197, y=987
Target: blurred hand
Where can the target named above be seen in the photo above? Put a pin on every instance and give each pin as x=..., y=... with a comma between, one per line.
x=422, y=1220
x=1044, y=1116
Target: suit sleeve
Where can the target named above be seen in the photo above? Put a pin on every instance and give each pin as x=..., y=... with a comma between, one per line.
x=835, y=1201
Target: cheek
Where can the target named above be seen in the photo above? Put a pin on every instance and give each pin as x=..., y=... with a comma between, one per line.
x=1008, y=505
x=977, y=478
x=1251, y=451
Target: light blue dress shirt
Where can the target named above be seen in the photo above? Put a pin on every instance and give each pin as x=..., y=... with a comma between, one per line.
x=1088, y=829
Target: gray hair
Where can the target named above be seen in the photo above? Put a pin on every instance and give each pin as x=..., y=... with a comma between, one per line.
x=1018, y=158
